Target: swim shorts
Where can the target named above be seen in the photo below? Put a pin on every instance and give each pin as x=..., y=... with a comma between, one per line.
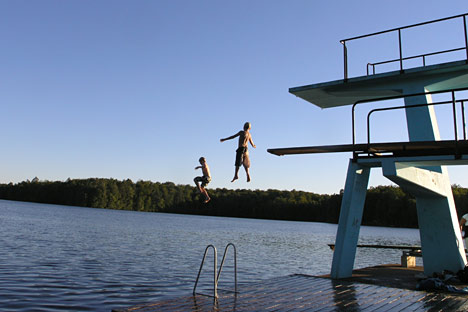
x=204, y=180
x=240, y=152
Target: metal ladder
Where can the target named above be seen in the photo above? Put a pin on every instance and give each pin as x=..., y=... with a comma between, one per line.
x=215, y=273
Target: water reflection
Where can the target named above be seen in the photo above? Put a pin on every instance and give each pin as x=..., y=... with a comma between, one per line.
x=345, y=297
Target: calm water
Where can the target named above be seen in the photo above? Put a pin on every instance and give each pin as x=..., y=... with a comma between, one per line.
x=60, y=258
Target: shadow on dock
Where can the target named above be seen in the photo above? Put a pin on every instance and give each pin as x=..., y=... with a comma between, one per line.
x=388, y=275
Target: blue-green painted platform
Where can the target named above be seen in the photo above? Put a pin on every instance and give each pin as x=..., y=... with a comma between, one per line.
x=342, y=92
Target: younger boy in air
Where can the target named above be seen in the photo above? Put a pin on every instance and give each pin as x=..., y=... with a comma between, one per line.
x=242, y=154
x=204, y=180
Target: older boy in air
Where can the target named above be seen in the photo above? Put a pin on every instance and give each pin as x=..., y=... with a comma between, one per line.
x=204, y=180
x=242, y=153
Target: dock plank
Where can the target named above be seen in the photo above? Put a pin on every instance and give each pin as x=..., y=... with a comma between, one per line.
x=309, y=293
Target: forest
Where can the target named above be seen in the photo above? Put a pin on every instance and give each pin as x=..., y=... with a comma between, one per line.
x=385, y=205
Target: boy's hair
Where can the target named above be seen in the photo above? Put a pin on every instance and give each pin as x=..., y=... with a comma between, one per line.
x=202, y=159
x=246, y=126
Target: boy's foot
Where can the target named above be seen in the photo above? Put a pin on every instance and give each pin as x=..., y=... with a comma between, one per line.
x=207, y=200
x=235, y=178
x=248, y=179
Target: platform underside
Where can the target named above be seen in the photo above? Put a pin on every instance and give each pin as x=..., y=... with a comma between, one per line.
x=393, y=149
x=438, y=77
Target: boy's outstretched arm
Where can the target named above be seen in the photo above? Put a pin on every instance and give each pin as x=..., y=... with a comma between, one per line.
x=231, y=137
x=252, y=143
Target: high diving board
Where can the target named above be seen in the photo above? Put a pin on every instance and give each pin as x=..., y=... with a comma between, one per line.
x=342, y=92
x=418, y=166
x=395, y=149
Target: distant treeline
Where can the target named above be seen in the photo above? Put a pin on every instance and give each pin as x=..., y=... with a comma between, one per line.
x=385, y=205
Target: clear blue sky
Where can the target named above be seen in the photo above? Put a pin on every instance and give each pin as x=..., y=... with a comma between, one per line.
x=142, y=89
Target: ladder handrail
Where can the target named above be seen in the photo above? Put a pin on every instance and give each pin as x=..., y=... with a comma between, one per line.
x=235, y=264
x=215, y=254
x=217, y=274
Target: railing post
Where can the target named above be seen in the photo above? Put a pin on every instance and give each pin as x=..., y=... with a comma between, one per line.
x=215, y=275
x=368, y=129
x=466, y=37
x=463, y=119
x=345, y=61
x=373, y=68
x=353, y=129
x=454, y=107
x=401, y=54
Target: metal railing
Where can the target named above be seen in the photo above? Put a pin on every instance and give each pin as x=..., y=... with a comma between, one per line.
x=215, y=266
x=423, y=56
x=400, y=47
x=453, y=101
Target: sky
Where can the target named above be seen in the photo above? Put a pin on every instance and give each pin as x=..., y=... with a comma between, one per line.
x=141, y=89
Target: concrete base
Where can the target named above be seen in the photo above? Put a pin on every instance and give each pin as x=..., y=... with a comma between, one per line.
x=408, y=261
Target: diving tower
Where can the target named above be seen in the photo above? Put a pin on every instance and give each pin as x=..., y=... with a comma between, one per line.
x=417, y=165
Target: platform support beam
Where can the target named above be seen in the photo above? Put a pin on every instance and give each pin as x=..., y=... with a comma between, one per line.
x=441, y=241
x=352, y=207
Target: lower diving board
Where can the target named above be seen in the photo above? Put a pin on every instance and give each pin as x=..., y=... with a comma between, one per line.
x=397, y=149
x=408, y=259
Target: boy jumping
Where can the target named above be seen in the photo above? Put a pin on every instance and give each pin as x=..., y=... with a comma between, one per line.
x=204, y=180
x=242, y=154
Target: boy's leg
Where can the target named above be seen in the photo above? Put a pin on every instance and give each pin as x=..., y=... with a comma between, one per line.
x=246, y=164
x=238, y=162
x=197, y=183
x=236, y=174
x=204, y=192
x=247, y=173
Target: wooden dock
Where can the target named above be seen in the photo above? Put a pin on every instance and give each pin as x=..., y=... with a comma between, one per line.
x=311, y=293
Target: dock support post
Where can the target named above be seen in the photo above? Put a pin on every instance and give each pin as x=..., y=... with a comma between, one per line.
x=352, y=207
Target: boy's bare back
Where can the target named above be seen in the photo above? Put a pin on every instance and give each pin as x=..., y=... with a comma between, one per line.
x=206, y=170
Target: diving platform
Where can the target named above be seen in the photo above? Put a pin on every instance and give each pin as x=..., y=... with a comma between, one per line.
x=419, y=165
x=451, y=149
x=439, y=77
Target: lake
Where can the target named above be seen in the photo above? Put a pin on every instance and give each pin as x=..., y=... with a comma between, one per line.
x=62, y=258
